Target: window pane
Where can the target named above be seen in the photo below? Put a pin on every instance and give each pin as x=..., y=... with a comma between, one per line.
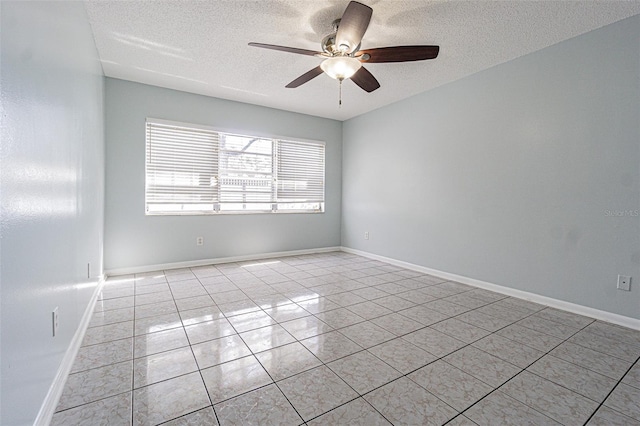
x=246, y=144
x=246, y=167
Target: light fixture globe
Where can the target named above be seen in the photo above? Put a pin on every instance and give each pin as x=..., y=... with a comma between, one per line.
x=340, y=67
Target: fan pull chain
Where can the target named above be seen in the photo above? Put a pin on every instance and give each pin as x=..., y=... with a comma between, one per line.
x=340, y=97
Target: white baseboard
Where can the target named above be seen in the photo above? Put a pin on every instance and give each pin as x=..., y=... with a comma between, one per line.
x=203, y=262
x=544, y=300
x=50, y=403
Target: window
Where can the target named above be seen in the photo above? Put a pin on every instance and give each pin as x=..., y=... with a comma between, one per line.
x=197, y=170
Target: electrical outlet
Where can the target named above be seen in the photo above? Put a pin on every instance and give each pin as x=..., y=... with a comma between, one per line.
x=366, y=235
x=624, y=283
x=200, y=241
x=54, y=321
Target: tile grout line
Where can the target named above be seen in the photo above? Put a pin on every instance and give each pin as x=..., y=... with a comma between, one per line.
x=525, y=369
x=273, y=381
x=323, y=364
x=612, y=390
x=262, y=366
x=204, y=384
x=133, y=349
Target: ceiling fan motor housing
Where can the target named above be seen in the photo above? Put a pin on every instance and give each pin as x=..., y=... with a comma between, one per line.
x=329, y=45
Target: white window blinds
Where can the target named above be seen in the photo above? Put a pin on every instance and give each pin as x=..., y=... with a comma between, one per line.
x=180, y=168
x=300, y=170
x=197, y=170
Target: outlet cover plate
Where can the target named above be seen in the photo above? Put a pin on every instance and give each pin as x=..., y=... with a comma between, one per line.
x=54, y=321
x=624, y=283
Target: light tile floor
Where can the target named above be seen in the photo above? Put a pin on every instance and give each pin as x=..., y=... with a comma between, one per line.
x=333, y=339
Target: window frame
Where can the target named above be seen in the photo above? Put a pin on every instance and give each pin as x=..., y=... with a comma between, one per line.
x=217, y=210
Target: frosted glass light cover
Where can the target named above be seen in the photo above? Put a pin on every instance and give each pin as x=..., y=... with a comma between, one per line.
x=340, y=67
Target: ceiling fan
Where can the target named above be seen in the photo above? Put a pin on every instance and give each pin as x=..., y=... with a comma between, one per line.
x=343, y=58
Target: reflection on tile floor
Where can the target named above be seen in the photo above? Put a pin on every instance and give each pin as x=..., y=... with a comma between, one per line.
x=335, y=338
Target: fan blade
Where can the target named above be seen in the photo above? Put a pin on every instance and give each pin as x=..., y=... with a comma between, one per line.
x=353, y=25
x=399, y=54
x=309, y=75
x=365, y=80
x=286, y=49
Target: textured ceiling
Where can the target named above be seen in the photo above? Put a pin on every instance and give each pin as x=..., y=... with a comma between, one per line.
x=201, y=46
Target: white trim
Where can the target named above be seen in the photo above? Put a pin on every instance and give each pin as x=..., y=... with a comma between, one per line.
x=50, y=402
x=215, y=261
x=544, y=300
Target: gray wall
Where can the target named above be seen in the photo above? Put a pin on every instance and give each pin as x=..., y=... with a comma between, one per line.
x=506, y=176
x=135, y=240
x=52, y=190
